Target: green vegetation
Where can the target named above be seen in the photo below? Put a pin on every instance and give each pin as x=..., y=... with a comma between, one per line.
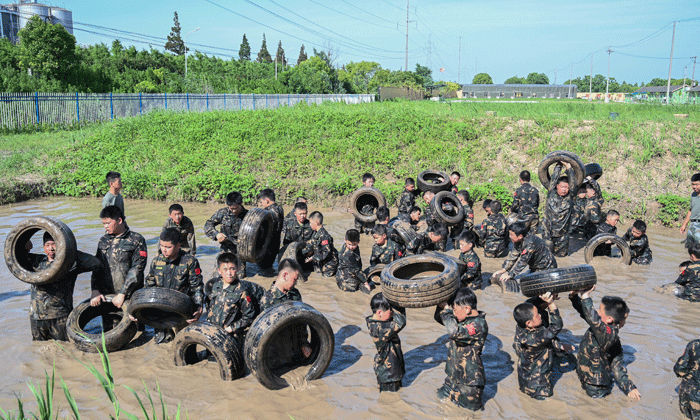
x=673, y=207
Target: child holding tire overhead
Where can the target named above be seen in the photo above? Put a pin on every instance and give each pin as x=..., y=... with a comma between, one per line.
x=384, y=326
x=367, y=209
x=558, y=210
x=325, y=256
x=230, y=304
x=350, y=277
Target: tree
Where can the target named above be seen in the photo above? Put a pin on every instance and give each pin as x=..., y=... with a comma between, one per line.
x=281, y=59
x=515, y=80
x=46, y=49
x=425, y=73
x=355, y=77
x=244, y=51
x=537, y=79
x=264, y=55
x=302, y=55
x=482, y=79
x=175, y=43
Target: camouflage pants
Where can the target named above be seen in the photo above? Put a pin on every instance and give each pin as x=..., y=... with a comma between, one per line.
x=348, y=281
x=327, y=269
x=364, y=227
x=496, y=252
x=472, y=283
x=558, y=245
x=689, y=400
x=539, y=392
x=48, y=329
x=644, y=259
x=693, y=235
x=463, y=395
x=389, y=386
x=596, y=391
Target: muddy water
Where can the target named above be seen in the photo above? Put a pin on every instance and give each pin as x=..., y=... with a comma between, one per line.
x=653, y=338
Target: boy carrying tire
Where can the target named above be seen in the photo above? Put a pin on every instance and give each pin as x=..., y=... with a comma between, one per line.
x=384, y=326
x=367, y=209
x=230, y=305
x=350, y=277
x=229, y=220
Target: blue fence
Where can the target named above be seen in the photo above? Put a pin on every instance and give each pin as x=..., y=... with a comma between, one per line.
x=20, y=109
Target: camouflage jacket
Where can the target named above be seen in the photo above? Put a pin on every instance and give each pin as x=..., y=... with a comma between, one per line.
x=406, y=201
x=690, y=278
x=278, y=214
x=321, y=244
x=274, y=296
x=472, y=274
x=230, y=305
x=467, y=339
x=229, y=225
x=293, y=231
x=123, y=261
x=688, y=365
x=526, y=201
x=182, y=274
x=394, y=236
x=186, y=229
x=429, y=217
x=558, y=209
x=425, y=244
x=534, y=350
x=385, y=254
x=530, y=252
x=493, y=233
x=598, y=192
x=600, y=357
x=592, y=211
x=578, y=215
x=389, y=365
x=350, y=267
x=639, y=247
x=55, y=300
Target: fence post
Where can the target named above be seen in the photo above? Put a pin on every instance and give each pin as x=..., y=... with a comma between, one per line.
x=253, y=102
x=111, y=107
x=224, y=101
x=140, y=104
x=77, y=106
x=289, y=100
x=166, y=100
x=266, y=101
x=240, y=103
x=36, y=102
x=207, y=102
x=188, y=101
x=307, y=99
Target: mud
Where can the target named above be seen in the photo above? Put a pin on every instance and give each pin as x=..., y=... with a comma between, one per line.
x=654, y=337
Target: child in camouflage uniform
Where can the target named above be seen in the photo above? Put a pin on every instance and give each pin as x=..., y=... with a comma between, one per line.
x=471, y=277
x=367, y=209
x=407, y=199
x=384, y=326
x=267, y=199
x=184, y=225
x=433, y=239
x=608, y=226
x=391, y=233
x=493, y=231
x=533, y=343
x=384, y=249
x=690, y=276
x=229, y=220
x=688, y=368
x=526, y=201
x=350, y=276
x=325, y=256
x=639, y=243
x=284, y=287
x=230, y=304
x=467, y=330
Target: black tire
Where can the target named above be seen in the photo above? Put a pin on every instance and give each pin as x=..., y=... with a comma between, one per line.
x=162, y=308
x=558, y=280
x=452, y=217
x=601, y=238
x=562, y=156
x=224, y=347
x=594, y=170
x=16, y=255
x=511, y=218
x=374, y=272
x=255, y=235
x=430, y=181
x=461, y=265
x=362, y=197
x=115, y=338
x=261, y=337
x=407, y=234
x=401, y=287
x=294, y=252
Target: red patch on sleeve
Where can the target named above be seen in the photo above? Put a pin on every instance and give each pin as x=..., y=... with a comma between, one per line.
x=524, y=251
x=400, y=254
x=608, y=329
x=470, y=264
x=471, y=215
x=515, y=194
x=682, y=272
x=143, y=254
x=248, y=299
x=471, y=329
x=197, y=271
x=324, y=242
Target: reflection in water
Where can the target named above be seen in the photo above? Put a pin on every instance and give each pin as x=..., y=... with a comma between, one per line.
x=344, y=355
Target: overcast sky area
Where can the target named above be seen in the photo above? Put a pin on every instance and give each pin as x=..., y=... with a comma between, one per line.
x=501, y=38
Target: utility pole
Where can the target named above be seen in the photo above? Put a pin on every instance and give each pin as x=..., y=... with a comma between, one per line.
x=275, y=66
x=670, y=66
x=555, y=77
x=188, y=34
x=459, y=59
x=570, y=79
x=607, y=81
x=693, y=76
x=407, y=10
x=590, y=86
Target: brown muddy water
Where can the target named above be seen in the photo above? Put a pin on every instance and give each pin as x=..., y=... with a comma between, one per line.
x=654, y=337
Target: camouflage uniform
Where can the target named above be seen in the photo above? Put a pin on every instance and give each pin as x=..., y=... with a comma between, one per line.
x=530, y=253
x=274, y=296
x=466, y=223
x=350, y=275
x=592, y=217
x=123, y=259
x=394, y=236
x=325, y=256
x=534, y=348
x=274, y=248
x=51, y=303
x=406, y=201
x=384, y=254
x=526, y=202
x=605, y=249
x=389, y=365
x=186, y=229
x=293, y=231
x=428, y=216
x=557, y=214
x=688, y=368
x=471, y=277
x=600, y=354
x=365, y=227
x=492, y=234
x=598, y=193
x=231, y=305
x=230, y=225
x=578, y=216
x=425, y=244
x=690, y=278
x=465, y=371
x=639, y=248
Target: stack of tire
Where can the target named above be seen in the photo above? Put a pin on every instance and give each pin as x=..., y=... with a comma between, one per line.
x=419, y=281
x=558, y=280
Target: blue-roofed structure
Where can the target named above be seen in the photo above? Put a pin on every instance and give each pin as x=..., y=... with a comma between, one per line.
x=519, y=91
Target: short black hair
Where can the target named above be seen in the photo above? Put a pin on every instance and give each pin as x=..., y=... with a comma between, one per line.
x=267, y=193
x=612, y=213
x=465, y=297
x=495, y=206
x=300, y=205
x=695, y=177
x=300, y=199
x=519, y=228
x=112, y=176
x=171, y=235
x=176, y=207
x=367, y=176
x=694, y=250
x=382, y=213
x=469, y=237
x=317, y=216
x=439, y=229
x=525, y=176
x=415, y=209
x=486, y=204
x=226, y=257
x=563, y=179
x=378, y=302
x=684, y=264
x=289, y=264
x=456, y=173
x=589, y=186
x=112, y=212
x=615, y=307
x=234, y=198
x=409, y=182
x=353, y=235
x=47, y=237
x=379, y=230
x=523, y=313
x=463, y=194
x=640, y=225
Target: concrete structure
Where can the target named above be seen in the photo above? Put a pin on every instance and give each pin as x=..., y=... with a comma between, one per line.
x=518, y=91
x=14, y=17
x=679, y=94
x=600, y=96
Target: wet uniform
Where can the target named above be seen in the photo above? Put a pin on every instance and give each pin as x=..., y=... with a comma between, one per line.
x=388, y=362
x=492, y=234
x=296, y=232
x=688, y=369
x=557, y=214
x=530, y=253
x=471, y=277
x=690, y=279
x=350, y=276
x=186, y=229
x=425, y=244
x=231, y=305
x=229, y=224
x=578, y=216
x=526, y=202
x=385, y=254
x=639, y=248
x=405, y=202
x=325, y=256
x=274, y=296
x=123, y=259
x=592, y=217
x=465, y=224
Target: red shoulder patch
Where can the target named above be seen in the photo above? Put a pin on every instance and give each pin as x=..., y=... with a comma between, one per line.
x=197, y=271
x=471, y=215
x=470, y=264
x=608, y=329
x=682, y=272
x=524, y=251
x=515, y=194
x=324, y=242
x=471, y=329
x=248, y=299
x=400, y=254
x=143, y=254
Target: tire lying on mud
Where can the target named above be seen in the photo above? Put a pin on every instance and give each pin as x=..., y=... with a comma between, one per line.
x=558, y=280
x=449, y=217
x=162, y=308
x=419, y=281
x=362, y=197
x=594, y=170
x=268, y=335
x=115, y=338
x=561, y=156
x=430, y=181
x=600, y=239
x=16, y=254
x=294, y=252
x=223, y=347
x=374, y=273
x=255, y=235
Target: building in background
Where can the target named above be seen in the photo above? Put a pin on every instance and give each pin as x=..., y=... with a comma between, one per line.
x=14, y=17
x=679, y=94
x=519, y=91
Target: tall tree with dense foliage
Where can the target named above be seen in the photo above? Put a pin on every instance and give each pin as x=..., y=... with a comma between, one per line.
x=302, y=55
x=425, y=73
x=515, y=80
x=537, y=79
x=46, y=49
x=175, y=43
x=281, y=59
x=482, y=79
x=264, y=55
x=244, y=51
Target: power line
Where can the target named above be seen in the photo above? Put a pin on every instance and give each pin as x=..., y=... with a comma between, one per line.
x=350, y=16
x=364, y=11
x=393, y=5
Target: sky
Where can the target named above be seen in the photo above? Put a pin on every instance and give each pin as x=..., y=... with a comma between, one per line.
x=498, y=37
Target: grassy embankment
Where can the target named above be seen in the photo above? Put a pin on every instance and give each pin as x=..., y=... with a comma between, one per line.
x=321, y=151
